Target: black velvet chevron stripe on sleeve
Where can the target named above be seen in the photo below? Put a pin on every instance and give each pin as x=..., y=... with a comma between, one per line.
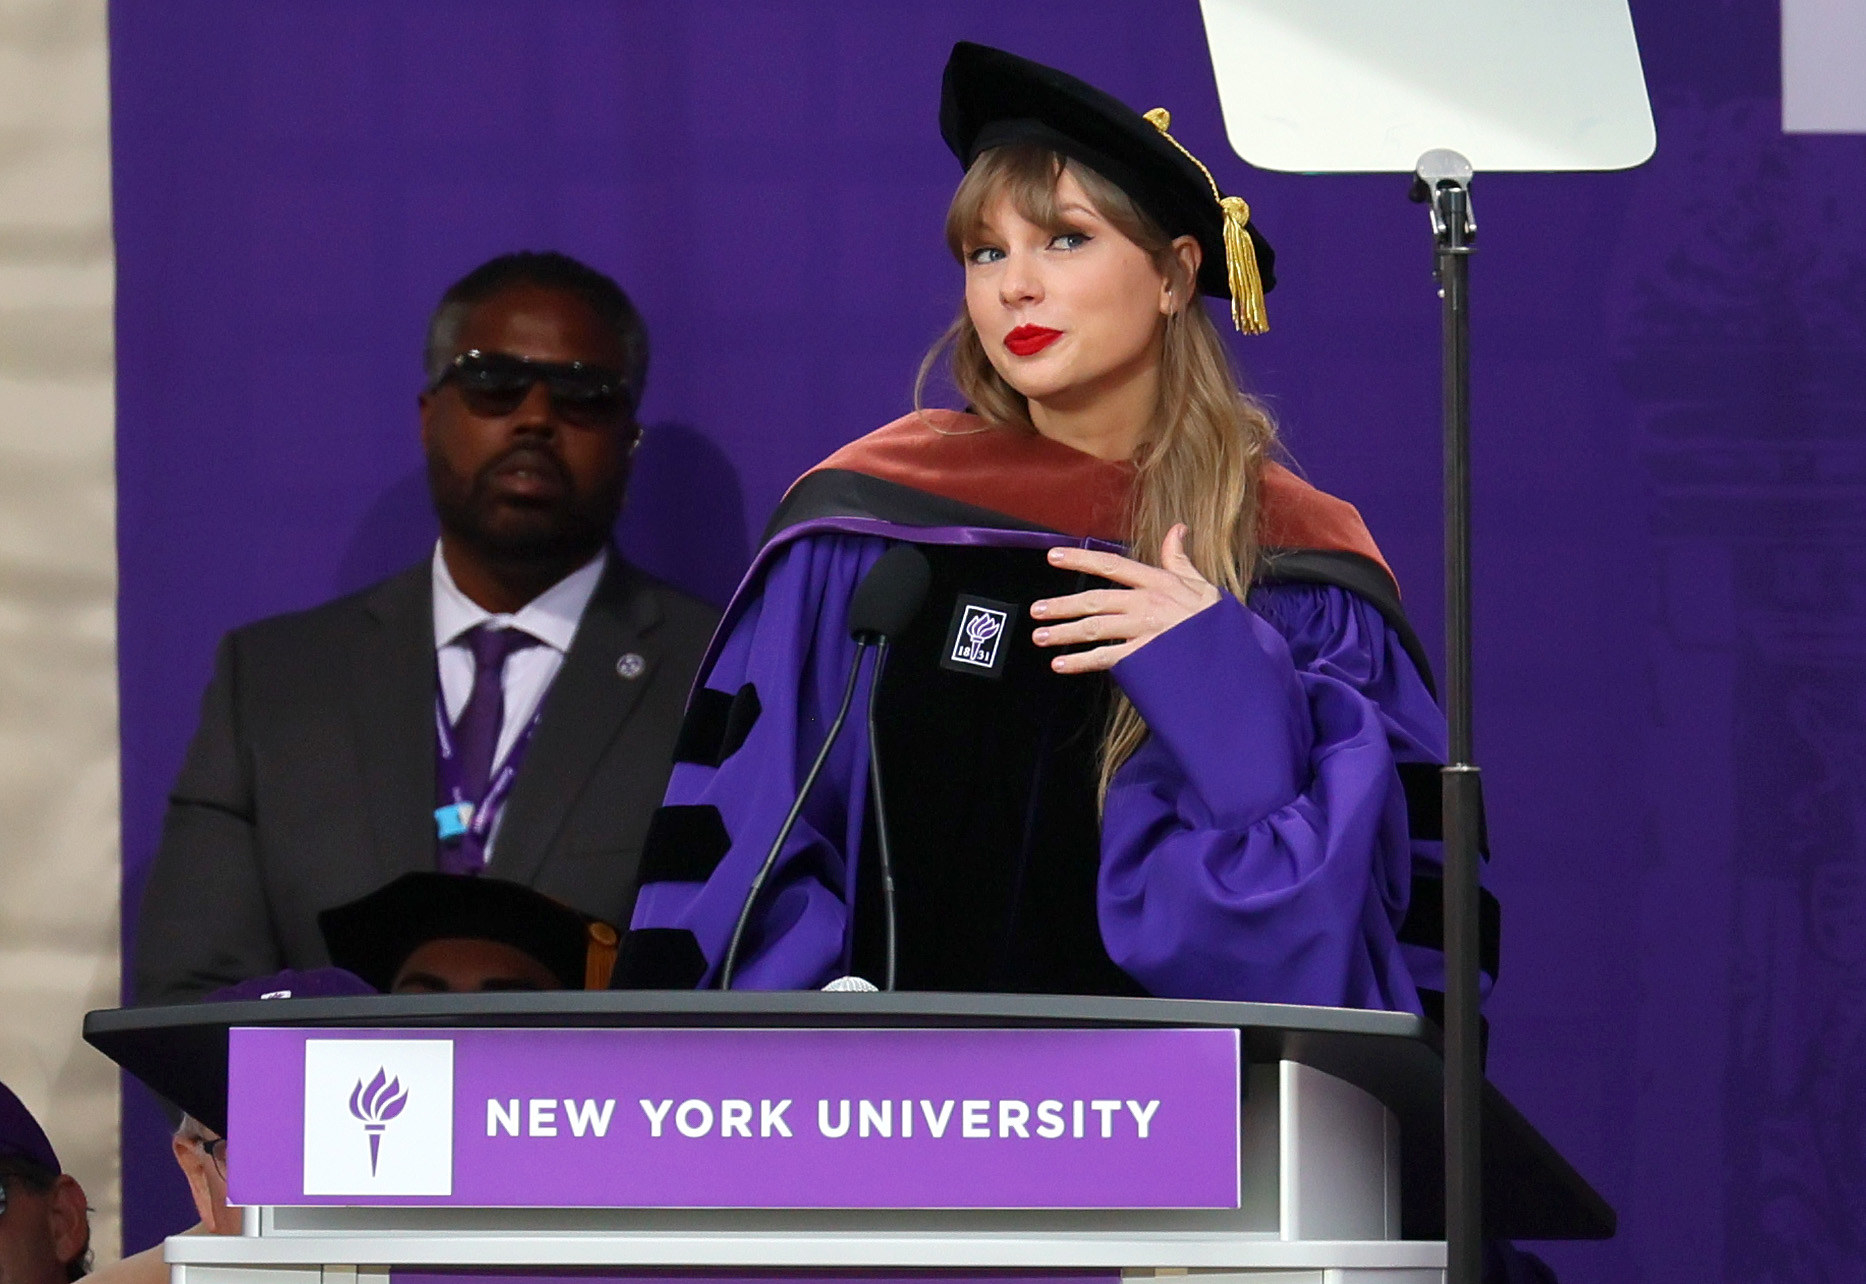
x=684, y=844
x=716, y=725
x=1425, y=805
x=659, y=958
x=1424, y=924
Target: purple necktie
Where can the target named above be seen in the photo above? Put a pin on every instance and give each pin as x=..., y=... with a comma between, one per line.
x=476, y=731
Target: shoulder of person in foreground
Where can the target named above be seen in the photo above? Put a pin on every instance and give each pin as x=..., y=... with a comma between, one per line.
x=204, y=916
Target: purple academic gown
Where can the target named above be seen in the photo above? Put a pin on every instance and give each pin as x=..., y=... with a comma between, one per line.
x=1255, y=847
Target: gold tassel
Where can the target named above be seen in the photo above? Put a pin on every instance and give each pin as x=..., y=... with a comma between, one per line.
x=1247, y=308
x=1248, y=313
x=599, y=956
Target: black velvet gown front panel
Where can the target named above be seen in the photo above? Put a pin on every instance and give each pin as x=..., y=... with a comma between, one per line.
x=990, y=786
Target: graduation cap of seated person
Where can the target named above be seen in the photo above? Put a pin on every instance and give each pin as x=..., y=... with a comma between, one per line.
x=991, y=98
x=378, y=934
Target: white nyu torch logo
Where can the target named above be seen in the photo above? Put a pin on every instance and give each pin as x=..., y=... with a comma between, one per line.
x=977, y=640
x=379, y=1116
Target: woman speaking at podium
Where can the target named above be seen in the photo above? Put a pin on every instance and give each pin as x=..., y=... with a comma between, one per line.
x=1146, y=732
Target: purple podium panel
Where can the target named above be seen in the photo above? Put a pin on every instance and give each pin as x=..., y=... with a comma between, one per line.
x=516, y=1118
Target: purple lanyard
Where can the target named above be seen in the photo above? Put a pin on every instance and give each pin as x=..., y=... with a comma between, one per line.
x=448, y=774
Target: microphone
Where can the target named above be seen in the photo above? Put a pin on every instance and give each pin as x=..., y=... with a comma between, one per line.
x=850, y=985
x=890, y=595
x=883, y=603
x=882, y=616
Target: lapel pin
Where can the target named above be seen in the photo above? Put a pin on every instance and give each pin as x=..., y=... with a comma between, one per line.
x=631, y=666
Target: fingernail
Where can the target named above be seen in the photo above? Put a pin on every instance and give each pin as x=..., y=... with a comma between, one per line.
x=1039, y=609
x=1056, y=555
x=1040, y=636
x=1058, y=664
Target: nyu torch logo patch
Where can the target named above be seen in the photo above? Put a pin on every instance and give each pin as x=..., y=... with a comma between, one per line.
x=379, y=1116
x=977, y=640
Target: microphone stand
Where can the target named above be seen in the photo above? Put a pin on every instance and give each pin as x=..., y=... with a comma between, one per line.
x=883, y=604
x=884, y=858
x=1443, y=181
x=730, y=966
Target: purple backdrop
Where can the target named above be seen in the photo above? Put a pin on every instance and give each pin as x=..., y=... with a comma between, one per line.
x=1669, y=397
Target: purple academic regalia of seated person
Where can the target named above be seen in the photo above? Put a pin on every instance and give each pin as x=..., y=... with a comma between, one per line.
x=1255, y=847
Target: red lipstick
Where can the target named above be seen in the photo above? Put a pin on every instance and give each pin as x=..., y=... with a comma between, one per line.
x=1029, y=340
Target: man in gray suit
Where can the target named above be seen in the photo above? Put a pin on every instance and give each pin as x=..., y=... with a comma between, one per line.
x=509, y=705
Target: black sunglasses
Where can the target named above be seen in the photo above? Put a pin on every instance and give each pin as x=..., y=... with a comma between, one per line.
x=497, y=383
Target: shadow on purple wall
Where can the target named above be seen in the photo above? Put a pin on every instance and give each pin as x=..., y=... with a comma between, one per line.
x=684, y=520
x=396, y=531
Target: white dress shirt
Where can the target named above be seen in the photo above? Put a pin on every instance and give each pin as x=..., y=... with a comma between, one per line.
x=551, y=617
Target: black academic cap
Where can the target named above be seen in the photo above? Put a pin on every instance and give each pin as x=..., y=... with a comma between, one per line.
x=374, y=936
x=990, y=98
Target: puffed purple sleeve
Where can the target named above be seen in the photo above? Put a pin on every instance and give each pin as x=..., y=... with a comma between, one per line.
x=787, y=656
x=1256, y=845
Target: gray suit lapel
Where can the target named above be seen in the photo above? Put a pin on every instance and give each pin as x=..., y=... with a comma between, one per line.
x=393, y=711
x=584, y=710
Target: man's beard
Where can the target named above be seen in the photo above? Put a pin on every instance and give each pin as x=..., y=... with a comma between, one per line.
x=567, y=529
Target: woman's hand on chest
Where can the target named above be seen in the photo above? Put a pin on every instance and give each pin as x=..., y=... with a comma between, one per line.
x=1151, y=600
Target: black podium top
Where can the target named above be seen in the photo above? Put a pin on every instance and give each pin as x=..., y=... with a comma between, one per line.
x=1530, y=1191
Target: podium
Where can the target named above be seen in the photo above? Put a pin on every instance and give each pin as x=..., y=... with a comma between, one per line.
x=810, y=1136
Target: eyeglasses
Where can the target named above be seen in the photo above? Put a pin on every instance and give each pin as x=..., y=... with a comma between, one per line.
x=216, y=1151
x=497, y=383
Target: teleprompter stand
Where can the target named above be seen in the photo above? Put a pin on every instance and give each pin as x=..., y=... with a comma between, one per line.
x=1339, y=1151
x=1367, y=86
x=1443, y=183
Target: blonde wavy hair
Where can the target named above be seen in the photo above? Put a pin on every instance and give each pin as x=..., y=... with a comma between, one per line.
x=1201, y=459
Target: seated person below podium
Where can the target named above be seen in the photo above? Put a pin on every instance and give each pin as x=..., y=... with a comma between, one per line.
x=1149, y=729
x=201, y=1154
x=434, y=933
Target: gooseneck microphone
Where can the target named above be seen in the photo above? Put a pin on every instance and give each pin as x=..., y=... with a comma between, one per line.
x=884, y=602
x=890, y=595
